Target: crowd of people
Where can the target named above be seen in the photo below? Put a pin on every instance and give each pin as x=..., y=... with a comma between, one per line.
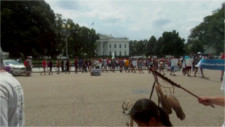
x=132, y=65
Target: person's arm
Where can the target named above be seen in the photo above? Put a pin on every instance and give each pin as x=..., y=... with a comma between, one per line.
x=3, y=109
x=212, y=101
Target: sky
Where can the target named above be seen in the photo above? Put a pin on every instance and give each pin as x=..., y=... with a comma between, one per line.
x=136, y=19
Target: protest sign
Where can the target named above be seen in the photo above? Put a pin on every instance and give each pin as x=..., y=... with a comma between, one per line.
x=189, y=62
x=174, y=62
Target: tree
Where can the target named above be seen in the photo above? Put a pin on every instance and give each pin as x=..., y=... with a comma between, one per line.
x=81, y=40
x=29, y=26
x=150, y=46
x=195, y=46
x=170, y=44
x=137, y=47
x=211, y=31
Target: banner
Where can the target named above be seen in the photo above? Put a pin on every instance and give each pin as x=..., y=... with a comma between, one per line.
x=213, y=64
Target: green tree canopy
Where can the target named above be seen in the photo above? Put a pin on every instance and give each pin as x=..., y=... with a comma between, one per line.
x=211, y=31
x=150, y=46
x=170, y=44
x=28, y=28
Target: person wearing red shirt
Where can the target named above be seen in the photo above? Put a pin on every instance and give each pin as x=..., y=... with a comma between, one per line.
x=44, y=65
x=222, y=72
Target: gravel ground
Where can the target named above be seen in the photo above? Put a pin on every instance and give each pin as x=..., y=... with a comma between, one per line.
x=84, y=100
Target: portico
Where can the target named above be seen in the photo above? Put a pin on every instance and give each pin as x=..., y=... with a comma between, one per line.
x=107, y=45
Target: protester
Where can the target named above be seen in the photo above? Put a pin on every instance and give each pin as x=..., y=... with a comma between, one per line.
x=109, y=63
x=44, y=66
x=62, y=65
x=67, y=66
x=121, y=64
x=58, y=66
x=80, y=63
x=84, y=66
x=28, y=65
x=50, y=64
x=104, y=65
x=133, y=65
x=187, y=67
x=155, y=64
x=117, y=63
x=173, y=63
x=126, y=65
x=146, y=113
x=184, y=67
x=197, y=64
x=222, y=72
x=161, y=67
x=11, y=100
x=113, y=65
x=76, y=64
x=140, y=65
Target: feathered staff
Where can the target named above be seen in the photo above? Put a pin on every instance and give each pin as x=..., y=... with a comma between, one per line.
x=155, y=73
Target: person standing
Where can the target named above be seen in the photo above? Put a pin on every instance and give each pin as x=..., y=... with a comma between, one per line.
x=132, y=65
x=62, y=65
x=126, y=64
x=197, y=65
x=104, y=65
x=80, y=62
x=50, y=67
x=67, y=66
x=113, y=64
x=58, y=66
x=44, y=66
x=172, y=66
x=28, y=66
x=222, y=72
x=121, y=64
x=76, y=64
x=161, y=66
x=109, y=63
x=11, y=100
x=140, y=65
x=84, y=66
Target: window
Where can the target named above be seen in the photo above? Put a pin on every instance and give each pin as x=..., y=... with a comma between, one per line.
x=110, y=53
x=115, y=46
x=115, y=53
x=120, y=45
x=125, y=53
x=109, y=45
x=120, y=53
x=125, y=46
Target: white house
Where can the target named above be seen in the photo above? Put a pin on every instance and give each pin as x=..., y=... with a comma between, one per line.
x=107, y=45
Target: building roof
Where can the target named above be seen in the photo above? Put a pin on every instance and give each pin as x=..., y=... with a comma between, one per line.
x=111, y=38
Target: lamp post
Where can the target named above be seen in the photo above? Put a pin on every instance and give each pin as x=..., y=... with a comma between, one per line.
x=66, y=27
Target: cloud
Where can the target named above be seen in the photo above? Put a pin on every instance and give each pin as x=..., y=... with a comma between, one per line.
x=66, y=4
x=137, y=19
x=161, y=22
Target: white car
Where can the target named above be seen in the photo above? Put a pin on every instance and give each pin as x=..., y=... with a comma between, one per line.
x=14, y=67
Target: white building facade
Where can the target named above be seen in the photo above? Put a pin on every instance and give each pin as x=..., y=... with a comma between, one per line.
x=108, y=45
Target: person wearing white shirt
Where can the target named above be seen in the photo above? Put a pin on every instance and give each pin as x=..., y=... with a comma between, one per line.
x=11, y=100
